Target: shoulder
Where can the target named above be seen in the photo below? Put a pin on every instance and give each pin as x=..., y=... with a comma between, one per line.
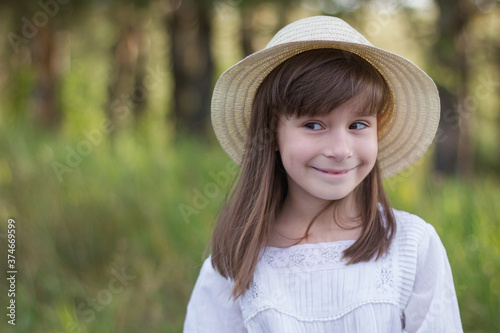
x=426, y=289
x=211, y=307
x=416, y=241
x=211, y=286
x=412, y=230
x=414, y=237
x=209, y=277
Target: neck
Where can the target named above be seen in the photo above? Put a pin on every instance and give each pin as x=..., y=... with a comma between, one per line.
x=295, y=216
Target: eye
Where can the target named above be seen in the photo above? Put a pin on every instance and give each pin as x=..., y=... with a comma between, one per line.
x=357, y=125
x=312, y=125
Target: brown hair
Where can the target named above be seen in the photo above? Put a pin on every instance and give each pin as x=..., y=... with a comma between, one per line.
x=315, y=81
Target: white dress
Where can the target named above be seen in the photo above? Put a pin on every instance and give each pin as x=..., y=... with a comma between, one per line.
x=309, y=288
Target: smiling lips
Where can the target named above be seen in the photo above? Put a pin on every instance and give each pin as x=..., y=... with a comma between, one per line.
x=340, y=172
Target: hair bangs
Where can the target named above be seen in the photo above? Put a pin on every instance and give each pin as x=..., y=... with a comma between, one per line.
x=318, y=81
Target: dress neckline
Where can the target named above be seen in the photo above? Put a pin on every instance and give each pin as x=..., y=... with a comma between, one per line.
x=312, y=245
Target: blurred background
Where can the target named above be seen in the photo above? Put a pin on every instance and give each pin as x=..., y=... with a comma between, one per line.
x=110, y=169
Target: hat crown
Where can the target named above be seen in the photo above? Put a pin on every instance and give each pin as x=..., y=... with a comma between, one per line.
x=318, y=28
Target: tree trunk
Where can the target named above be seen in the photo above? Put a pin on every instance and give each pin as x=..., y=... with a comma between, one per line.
x=456, y=110
x=141, y=94
x=246, y=30
x=127, y=92
x=447, y=137
x=44, y=51
x=192, y=65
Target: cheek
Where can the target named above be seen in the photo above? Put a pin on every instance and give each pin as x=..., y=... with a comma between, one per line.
x=370, y=150
x=289, y=145
x=373, y=151
x=289, y=155
x=293, y=158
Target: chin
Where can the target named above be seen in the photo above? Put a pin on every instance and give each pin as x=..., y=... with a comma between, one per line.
x=330, y=197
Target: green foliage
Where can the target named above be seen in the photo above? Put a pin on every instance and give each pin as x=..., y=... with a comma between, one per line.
x=118, y=208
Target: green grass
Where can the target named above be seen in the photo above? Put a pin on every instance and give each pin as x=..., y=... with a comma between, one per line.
x=118, y=209
x=119, y=212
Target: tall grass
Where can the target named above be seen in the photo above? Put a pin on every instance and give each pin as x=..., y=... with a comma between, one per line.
x=117, y=210
x=141, y=206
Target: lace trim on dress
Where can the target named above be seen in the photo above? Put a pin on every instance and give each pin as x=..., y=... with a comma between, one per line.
x=385, y=281
x=306, y=255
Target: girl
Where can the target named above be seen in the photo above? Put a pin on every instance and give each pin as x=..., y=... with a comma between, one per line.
x=308, y=241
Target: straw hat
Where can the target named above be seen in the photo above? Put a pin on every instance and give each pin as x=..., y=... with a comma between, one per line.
x=404, y=133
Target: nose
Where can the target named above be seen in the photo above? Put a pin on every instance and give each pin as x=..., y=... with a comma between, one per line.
x=337, y=145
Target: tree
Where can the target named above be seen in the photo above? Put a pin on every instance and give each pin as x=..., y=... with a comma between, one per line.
x=127, y=92
x=455, y=149
x=248, y=10
x=38, y=26
x=36, y=31
x=189, y=25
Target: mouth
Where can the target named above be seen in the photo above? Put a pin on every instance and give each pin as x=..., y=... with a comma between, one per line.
x=335, y=172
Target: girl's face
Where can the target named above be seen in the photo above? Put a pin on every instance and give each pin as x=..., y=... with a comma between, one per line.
x=326, y=156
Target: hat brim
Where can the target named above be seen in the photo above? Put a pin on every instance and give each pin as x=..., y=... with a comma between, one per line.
x=403, y=137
